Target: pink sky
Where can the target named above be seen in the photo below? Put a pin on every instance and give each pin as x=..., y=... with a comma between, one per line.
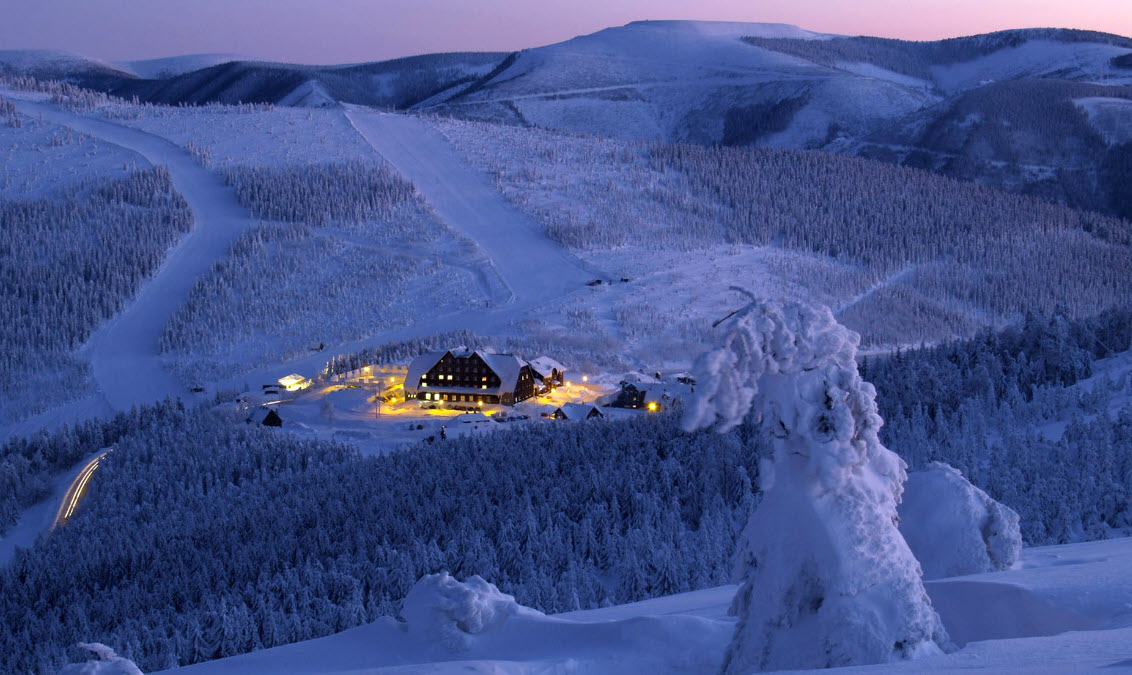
x=342, y=31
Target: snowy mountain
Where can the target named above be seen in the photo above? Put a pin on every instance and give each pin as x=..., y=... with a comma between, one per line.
x=171, y=66
x=48, y=64
x=390, y=84
x=996, y=108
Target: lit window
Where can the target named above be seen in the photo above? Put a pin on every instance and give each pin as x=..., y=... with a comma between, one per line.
x=424, y=384
x=483, y=386
x=485, y=379
x=450, y=377
x=428, y=397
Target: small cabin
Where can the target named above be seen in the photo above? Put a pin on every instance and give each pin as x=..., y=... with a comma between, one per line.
x=548, y=371
x=294, y=382
x=577, y=412
x=266, y=417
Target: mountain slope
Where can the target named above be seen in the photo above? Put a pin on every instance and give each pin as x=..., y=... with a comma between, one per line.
x=395, y=84
x=1000, y=109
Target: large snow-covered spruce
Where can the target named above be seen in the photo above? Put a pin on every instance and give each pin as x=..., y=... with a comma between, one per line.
x=827, y=579
x=954, y=528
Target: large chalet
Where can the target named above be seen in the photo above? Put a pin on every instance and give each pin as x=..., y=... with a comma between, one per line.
x=470, y=378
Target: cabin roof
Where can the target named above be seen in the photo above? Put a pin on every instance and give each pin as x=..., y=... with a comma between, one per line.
x=543, y=365
x=419, y=366
x=578, y=411
x=506, y=366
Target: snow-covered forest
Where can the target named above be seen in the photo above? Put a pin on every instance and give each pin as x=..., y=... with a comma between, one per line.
x=560, y=516
x=600, y=514
x=1026, y=416
x=348, y=249
x=69, y=263
x=945, y=256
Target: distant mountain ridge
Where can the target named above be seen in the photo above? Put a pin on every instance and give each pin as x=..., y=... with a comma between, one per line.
x=950, y=106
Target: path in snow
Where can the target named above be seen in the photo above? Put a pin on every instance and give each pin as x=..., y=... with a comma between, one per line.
x=123, y=351
x=532, y=266
x=901, y=275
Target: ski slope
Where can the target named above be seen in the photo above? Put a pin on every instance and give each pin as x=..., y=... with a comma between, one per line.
x=123, y=351
x=531, y=265
x=1065, y=608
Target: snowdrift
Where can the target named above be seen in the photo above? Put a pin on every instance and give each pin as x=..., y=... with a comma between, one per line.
x=953, y=527
x=1011, y=621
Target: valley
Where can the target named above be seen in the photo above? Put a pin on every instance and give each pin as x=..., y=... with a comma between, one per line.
x=673, y=266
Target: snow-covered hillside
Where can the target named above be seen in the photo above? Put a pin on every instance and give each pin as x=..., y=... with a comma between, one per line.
x=1063, y=608
x=51, y=64
x=682, y=80
x=171, y=66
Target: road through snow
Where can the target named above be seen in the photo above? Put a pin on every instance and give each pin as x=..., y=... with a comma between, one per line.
x=123, y=351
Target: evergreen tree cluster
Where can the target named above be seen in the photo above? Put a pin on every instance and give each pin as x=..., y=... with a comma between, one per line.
x=961, y=255
x=68, y=263
x=27, y=465
x=342, y=259
x=354, y=191
x=200, y=539
x=8, y=110
x=1003, y=409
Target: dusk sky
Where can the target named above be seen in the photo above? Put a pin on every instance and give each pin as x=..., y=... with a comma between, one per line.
x=342, y=31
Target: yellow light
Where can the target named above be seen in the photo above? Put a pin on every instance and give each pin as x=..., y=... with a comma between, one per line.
x=652, y=406
x=585, y=378
x=480, y=404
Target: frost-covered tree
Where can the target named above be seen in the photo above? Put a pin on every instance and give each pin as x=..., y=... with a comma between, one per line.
x=827, y=580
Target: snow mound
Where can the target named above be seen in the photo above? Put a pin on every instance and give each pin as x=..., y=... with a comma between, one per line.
x=954, y=528
x=451, y=611
x=827, y=579
x=108, y=663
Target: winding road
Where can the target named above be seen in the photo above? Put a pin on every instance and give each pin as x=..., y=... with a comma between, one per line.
x=76, y=491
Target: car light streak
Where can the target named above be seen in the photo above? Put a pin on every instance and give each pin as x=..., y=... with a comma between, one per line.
x=76, y=491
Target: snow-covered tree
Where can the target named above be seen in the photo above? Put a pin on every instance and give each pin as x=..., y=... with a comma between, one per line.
x=827, y=579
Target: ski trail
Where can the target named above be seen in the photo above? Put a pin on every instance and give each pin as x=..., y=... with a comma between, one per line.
x=123, y=351
x=531, y=265
x=896, y=278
